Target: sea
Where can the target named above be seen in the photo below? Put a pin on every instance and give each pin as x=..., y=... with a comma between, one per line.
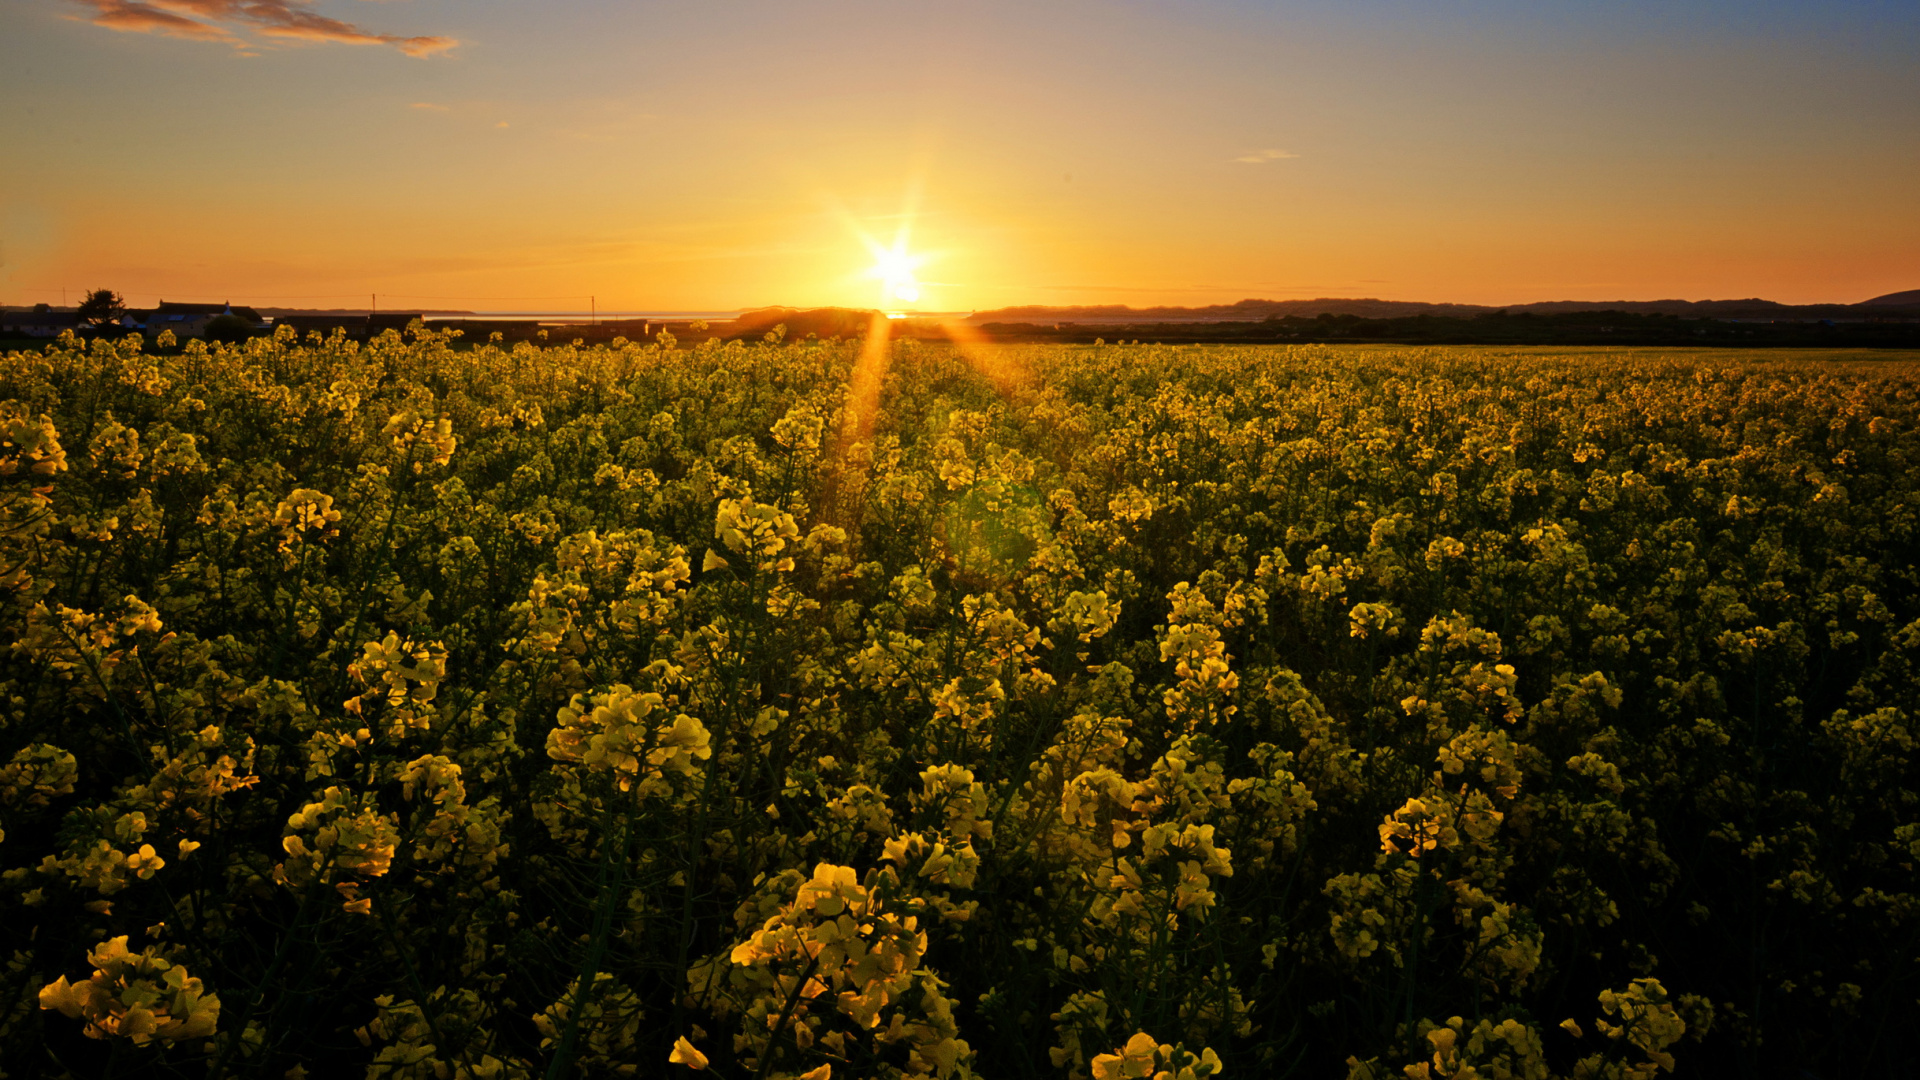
x=571, y=318
x=581, y=318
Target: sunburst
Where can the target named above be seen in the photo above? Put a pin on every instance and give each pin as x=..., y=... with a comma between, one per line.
x=894, y=267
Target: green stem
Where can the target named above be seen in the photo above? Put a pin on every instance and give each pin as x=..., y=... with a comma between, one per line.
x=786, y=1013
x=613, y=868
x=281, y=955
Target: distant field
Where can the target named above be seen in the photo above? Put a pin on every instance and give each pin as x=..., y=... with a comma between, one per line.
x=814, y=710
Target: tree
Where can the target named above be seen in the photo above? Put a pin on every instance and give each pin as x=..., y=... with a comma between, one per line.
x=227, y=328
x=102, y=306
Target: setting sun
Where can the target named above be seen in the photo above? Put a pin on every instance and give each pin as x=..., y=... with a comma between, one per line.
x=894, y=267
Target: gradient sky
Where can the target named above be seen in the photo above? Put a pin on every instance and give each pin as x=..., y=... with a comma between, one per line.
x=730, y=153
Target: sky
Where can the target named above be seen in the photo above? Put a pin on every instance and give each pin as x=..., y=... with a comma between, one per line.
x=674, y=155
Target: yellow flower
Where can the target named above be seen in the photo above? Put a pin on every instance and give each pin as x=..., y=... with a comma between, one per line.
x=685, y=1054
x=137, y=996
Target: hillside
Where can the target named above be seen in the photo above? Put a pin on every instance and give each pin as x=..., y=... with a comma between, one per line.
x=1370, y=308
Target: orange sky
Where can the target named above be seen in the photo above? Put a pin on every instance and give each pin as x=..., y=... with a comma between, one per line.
x=682, y=156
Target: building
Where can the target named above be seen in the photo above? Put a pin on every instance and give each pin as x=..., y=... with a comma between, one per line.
x=188, y=320
x=41, y=322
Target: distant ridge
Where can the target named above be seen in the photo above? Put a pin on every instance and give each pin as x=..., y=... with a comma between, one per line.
x=821, y=322
x=1369, y=308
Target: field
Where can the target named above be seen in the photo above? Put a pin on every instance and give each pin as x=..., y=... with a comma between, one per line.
x=811, y=710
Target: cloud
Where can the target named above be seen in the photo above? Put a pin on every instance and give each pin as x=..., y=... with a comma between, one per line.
x=218, y=20
x=144, y=19
x=1261, y=157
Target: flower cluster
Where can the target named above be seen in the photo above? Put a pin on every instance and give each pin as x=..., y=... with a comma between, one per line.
x=140, y=997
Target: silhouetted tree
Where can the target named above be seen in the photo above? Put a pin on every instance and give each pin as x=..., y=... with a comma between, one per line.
x=228, y=328
x=102, y=306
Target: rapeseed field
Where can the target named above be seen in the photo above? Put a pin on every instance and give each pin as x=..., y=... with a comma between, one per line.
x=818, y=709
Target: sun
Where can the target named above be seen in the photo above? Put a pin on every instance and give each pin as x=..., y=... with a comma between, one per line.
x=896, y=263
x=894, y=267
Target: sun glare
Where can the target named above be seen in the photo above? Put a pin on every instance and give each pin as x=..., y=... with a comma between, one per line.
x=896, y=265
x=894, y=268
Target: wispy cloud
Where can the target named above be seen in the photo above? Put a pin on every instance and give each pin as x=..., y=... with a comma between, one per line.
x=142, y=18
x=1261, y=157
x=221, y=21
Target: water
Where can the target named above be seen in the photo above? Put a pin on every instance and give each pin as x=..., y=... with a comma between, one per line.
x=574, y=318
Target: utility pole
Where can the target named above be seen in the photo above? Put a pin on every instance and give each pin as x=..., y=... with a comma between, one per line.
x=373, y=303
x=593, y=309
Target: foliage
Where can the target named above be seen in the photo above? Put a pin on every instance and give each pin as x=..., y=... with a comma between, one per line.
x=1089, y=712
x=100, y=307
x=227, y=328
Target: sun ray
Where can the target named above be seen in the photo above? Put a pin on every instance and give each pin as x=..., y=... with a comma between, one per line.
x=1000, y=365
x=895, y=267
x=863, y=390
x=848, y=469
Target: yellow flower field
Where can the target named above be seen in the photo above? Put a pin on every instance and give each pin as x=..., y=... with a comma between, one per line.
x=427, y=710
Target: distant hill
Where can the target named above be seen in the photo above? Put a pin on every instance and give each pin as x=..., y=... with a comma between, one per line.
x=1910, y=298
x=1243, y=311
x=1368, y=308
x=822, y=322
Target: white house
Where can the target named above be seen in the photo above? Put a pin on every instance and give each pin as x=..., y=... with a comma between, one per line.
x=42, y=321
x=187, y=320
